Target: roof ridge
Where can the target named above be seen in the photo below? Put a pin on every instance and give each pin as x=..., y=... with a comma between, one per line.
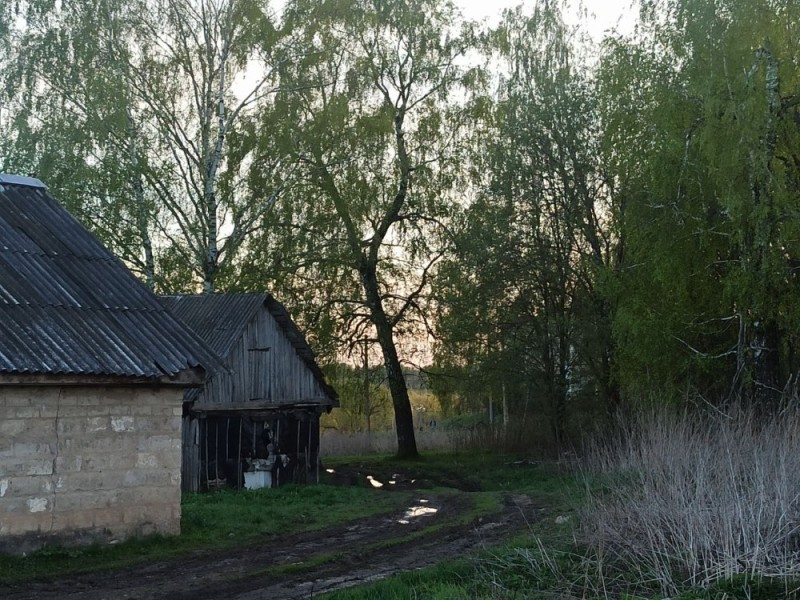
x=8, y=250
x=22, y=180
x=153, y=308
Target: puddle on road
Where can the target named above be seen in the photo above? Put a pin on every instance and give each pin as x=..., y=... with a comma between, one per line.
x=393, y=481
x=413, y=512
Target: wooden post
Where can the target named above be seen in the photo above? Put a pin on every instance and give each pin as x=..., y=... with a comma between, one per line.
x=316, y=436
x=505, y=406
x=216, y=451
x=308, y=451
x=227, y=439
x=206, y=438
x=239, y=458
x=278, y=449
x=297, y=448
x=197, y=472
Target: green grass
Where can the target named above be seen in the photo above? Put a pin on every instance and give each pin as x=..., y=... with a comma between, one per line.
x=543, y=563
x=482, y=504
x=485, y=471
x=214, y=520
x=446, y=581
x=232, y=518
x=503, y=572
x=244, y=515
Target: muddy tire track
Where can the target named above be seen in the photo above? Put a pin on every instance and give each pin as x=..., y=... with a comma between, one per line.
x=367, y=550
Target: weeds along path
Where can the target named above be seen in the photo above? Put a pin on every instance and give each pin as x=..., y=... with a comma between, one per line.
x=440, y=526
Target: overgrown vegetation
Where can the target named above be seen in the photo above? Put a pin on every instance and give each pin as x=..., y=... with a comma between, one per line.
x=701, y=505
x=680, y=506
x=563, y=228
x=692, y=500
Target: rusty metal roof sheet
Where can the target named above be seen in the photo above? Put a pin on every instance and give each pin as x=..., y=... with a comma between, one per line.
x=69, y=307
x=220, y=319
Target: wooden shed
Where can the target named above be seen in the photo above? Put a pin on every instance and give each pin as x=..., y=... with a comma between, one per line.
x=92, y=375
x=256, y=422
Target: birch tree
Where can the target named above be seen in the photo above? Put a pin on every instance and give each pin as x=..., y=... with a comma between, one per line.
x=709, y=164
x=139, y=114
x=522, y=305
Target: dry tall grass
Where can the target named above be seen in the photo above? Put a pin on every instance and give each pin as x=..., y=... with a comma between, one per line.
x=516, y=438
x=696, y=499
x=532, y=438
x=335, y=443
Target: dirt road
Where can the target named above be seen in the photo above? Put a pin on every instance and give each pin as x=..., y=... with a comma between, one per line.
x=303, y=566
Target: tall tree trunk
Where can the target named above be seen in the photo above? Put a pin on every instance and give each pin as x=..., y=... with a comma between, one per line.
x=505, y=405
x=403, y=416
x=142, y=220
x=367, y=407
x=211, y=259
x=765, y=342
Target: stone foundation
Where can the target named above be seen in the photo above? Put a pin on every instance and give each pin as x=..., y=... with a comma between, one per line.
x=84, y=464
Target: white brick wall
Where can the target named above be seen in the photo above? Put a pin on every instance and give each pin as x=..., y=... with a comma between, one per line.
x=88, y=463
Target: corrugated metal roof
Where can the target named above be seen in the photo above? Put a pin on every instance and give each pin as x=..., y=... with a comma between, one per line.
x=69, y=307
x=20, y=180
x=220, y=319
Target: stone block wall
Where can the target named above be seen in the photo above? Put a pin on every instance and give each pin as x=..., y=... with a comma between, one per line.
x=83, y=464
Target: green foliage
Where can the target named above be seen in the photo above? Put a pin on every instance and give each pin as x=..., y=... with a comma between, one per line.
x=364, y=402
x=703, y=153
x=370, y=78
x=133, y=120
x=520, y=316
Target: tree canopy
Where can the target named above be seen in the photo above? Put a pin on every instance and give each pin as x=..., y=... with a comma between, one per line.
x=564, y=229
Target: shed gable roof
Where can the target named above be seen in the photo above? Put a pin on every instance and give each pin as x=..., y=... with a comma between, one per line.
x=220, y=319
x=68, y=306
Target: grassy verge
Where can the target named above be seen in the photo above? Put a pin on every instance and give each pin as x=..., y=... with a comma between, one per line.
x=506, y=571
x=487, y=472
x=692, y=507
x=212, y=521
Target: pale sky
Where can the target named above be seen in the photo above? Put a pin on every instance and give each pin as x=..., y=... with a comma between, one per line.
x=601, y=15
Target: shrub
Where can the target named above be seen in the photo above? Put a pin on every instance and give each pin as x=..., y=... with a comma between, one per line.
x=695, y=500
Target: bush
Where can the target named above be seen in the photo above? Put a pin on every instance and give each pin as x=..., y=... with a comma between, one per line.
x=697, y=500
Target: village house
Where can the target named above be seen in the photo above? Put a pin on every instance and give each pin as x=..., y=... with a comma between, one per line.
x=92, y=374
x=256, y=422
